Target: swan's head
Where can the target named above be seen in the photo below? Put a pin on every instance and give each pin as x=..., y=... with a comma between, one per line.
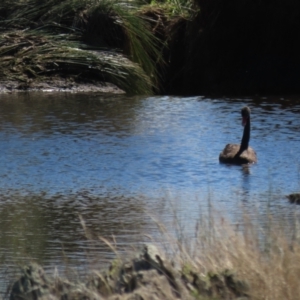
x=245, y=115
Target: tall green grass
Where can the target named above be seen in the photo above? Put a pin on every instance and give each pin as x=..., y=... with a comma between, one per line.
x=177, y=8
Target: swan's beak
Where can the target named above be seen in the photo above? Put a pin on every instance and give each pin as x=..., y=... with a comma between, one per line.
x=244, y=121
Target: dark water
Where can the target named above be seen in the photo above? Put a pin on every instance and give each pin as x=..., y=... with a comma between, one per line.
x=116, y=161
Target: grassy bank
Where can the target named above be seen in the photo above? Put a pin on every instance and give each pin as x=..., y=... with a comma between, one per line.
x=64, y=38
x=104, y=41
x=168, y=46
x=247, y=260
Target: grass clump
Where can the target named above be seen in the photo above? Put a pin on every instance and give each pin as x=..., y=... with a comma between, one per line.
x=177, y=8
x=108, y=40
x=125, y=29
x=27, y=56
x=256, y=261
x=149, y=34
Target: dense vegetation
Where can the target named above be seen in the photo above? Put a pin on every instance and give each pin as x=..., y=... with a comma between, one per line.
x=162, y=46
x=83, y=39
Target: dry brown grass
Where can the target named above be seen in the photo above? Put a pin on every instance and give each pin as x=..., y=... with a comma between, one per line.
x=265, y=257
x=254, y=258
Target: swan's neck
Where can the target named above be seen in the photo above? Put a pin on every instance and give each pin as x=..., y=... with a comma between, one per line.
x=246, y=135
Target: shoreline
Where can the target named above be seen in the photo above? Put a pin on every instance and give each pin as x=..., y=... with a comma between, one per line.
x=146, y=274
x=59, y=85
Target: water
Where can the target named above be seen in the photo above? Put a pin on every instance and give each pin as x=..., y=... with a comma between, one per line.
x=116, y=160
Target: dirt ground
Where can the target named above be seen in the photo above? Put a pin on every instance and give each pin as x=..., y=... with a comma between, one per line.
x=59, y=85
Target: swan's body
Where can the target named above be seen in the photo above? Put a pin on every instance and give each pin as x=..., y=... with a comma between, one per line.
x=231, y=155
x=240, y=154
x=294, y=198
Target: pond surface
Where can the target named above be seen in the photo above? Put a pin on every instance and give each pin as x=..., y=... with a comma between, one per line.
x=77, y=166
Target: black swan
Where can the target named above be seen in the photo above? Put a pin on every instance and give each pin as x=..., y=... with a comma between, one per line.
x=294, y=198
x=240, y=154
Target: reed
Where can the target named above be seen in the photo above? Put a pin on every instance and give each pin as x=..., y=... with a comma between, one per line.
x=264, y=256
x=222, y=260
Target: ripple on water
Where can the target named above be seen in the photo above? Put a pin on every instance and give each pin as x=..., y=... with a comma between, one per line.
x=117, y=162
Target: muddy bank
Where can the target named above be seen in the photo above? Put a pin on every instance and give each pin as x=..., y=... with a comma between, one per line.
x=59, y=85
x=148, y=275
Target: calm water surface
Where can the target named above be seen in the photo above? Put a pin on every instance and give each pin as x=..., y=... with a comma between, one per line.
x=116, y=160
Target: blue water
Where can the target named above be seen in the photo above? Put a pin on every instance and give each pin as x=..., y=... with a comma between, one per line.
x=145, y=145
x=114, y=158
